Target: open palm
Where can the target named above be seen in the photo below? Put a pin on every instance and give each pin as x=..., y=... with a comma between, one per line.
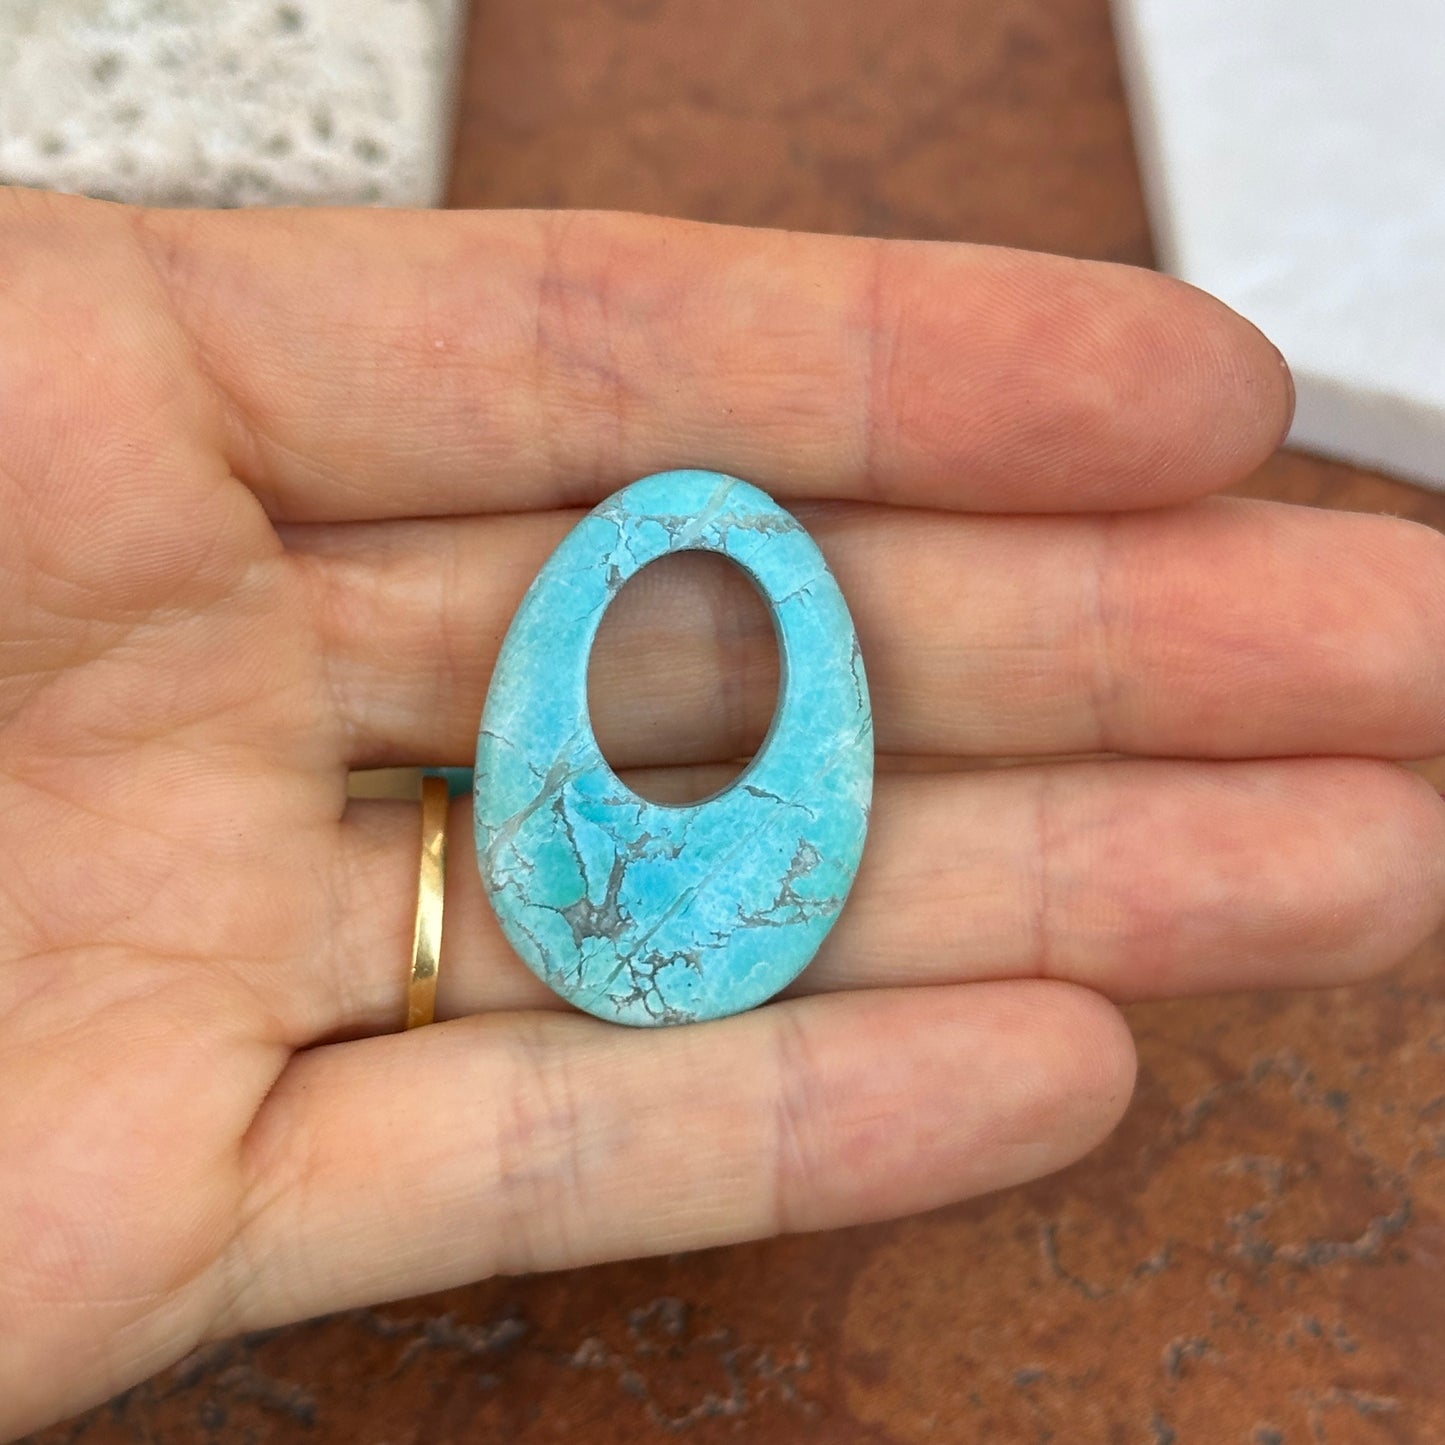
x=270, y=487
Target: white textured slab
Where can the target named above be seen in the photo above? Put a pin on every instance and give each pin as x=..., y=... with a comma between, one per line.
x=229, y=102
x=1295, y=158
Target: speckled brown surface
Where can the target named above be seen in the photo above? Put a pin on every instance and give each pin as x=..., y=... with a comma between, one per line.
x=990, y=120
x=1258, y=1255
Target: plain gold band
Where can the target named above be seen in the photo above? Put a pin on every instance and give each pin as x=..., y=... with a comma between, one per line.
x=426, y=943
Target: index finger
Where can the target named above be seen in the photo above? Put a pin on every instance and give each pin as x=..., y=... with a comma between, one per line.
x=388, y=364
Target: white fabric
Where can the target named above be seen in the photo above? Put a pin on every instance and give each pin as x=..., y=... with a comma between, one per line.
x=1294, y=156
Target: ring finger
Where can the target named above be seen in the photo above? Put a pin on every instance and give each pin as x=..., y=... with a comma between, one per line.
x=1139, y=879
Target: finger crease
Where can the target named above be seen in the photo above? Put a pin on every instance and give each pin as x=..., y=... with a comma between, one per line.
x=794, y=1104
x=878, y=365
x=1104, y=678
x=1044, y=849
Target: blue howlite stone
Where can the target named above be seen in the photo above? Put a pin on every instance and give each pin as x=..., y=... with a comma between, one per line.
x=636, y=911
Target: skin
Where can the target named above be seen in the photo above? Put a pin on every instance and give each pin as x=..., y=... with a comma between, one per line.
x=271, y=485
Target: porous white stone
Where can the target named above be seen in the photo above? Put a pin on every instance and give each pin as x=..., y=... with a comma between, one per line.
x=229, y=102
x=1294, y=157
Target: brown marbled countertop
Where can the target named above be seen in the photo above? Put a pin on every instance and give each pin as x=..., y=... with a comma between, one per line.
x=1258, y=1255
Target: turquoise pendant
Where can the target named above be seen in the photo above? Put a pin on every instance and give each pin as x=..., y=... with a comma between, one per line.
x=639, y=912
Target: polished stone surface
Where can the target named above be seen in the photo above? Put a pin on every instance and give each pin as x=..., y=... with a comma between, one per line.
x=246, y=102
x=640, y=912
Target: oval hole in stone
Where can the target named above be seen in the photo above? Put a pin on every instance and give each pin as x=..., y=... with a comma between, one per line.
x=683, y=679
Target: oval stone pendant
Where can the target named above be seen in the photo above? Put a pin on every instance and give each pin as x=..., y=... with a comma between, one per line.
x=640, y=912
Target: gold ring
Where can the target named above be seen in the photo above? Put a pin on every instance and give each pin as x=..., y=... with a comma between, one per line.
x=426, y=944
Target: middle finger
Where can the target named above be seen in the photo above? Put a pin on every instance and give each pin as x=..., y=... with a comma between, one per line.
x=1224, y=629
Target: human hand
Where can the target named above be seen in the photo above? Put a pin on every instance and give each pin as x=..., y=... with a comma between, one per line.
x=271, y=486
